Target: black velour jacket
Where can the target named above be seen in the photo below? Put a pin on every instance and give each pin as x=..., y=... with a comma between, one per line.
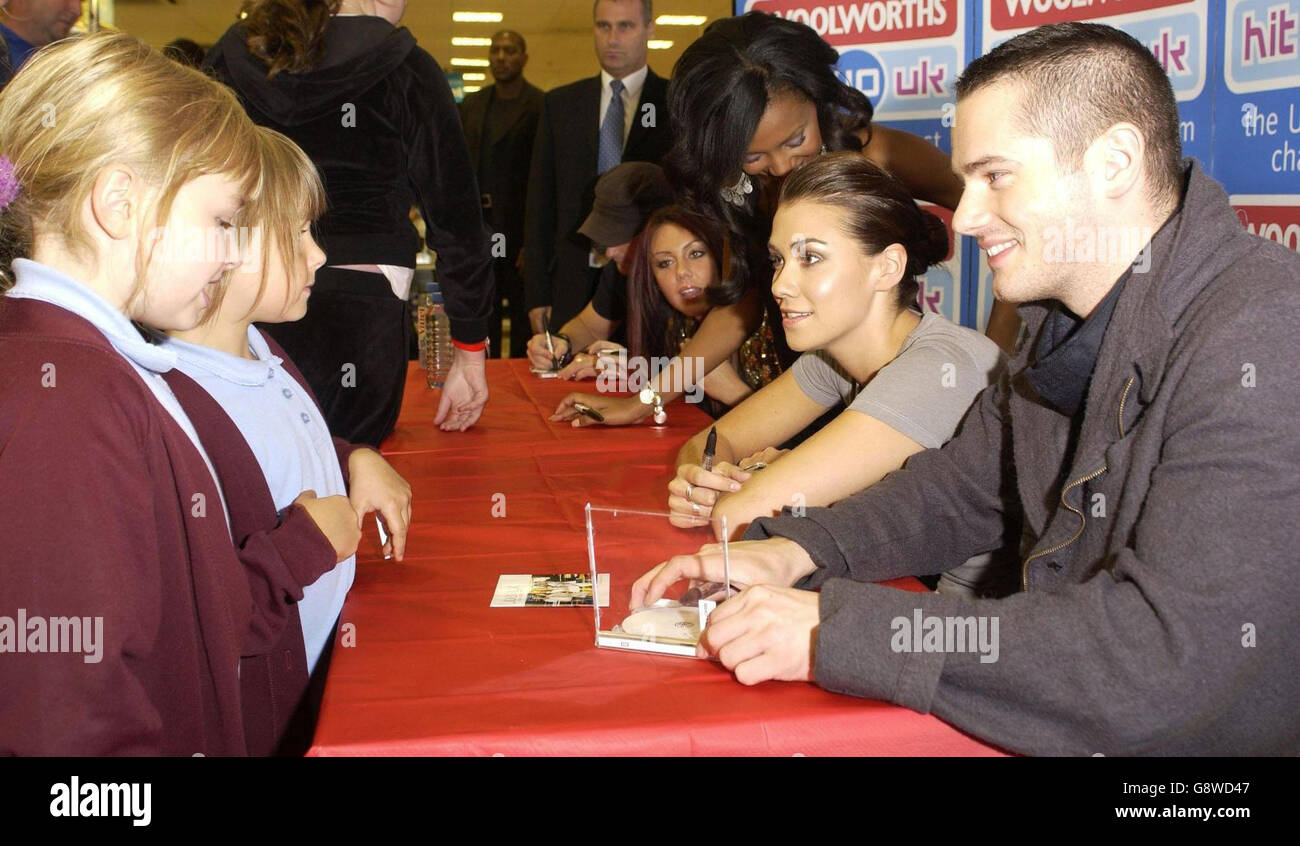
x=378, y=119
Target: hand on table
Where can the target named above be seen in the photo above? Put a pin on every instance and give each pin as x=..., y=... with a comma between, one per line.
x=598, y=358
x=538, y=354
x=376, y=486
x=337, y=520
x=464, y=393
x=775, y=561
x=764, y=633
x=617, y=411
x=694, y=491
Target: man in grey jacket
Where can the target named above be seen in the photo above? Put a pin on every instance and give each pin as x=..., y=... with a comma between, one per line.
x=1143, y=450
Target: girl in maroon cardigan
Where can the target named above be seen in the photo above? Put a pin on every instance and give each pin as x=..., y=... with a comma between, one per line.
x=269, y=443
x=124, y=610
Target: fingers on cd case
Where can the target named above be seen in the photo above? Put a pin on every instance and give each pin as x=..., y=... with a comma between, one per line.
x=617, y=550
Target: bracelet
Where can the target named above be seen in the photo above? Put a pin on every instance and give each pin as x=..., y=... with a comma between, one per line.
x=649, y=396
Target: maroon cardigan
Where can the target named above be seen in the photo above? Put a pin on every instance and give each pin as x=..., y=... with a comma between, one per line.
x=290, y=554
x=107, y=510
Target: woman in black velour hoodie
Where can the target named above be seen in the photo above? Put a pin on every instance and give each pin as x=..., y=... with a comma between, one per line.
x=374, y=112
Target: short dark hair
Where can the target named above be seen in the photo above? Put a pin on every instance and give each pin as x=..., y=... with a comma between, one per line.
x=510, y=33
x=1079, y=80
x=647, y=9
x=879, y=212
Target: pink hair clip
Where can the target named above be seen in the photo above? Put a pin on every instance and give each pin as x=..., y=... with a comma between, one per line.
x=10, y=187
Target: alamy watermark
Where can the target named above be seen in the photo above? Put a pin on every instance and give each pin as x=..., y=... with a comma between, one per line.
x=208, y=244
x=946, y=634
x=1075, y=243
x=632, y=373
x=24, y=634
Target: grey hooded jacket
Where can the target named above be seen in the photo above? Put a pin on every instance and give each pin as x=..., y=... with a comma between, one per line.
x=1159, y=610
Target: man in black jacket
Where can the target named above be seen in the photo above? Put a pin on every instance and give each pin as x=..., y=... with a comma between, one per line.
x=577, y=140
x=500, y=125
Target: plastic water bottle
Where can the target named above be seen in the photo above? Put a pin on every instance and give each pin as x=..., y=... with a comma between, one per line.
x=422, y=303
x=438, y=349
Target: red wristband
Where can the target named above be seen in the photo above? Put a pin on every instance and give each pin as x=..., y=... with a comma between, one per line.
x=481, y=345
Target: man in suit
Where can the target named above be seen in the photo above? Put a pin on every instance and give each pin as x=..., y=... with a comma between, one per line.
x=579, y=138
x=500, y=125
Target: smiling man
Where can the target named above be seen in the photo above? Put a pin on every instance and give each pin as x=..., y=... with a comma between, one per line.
x=1142, y=452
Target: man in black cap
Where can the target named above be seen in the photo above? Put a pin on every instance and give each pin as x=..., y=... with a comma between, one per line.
x=626, y=196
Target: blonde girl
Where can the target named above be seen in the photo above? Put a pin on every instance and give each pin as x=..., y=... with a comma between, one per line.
x=127, y=607
x=272, y=448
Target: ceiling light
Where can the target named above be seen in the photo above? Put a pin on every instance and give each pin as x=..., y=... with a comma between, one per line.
x=470, y=63
x=467, y=41
x=680, y=20
x=476, y=17
x=659, y=45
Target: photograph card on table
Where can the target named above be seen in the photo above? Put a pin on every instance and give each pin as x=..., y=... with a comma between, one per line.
x=555, y=590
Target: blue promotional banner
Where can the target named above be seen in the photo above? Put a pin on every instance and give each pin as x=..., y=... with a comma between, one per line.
x=1234, y=66
x=1257, y=137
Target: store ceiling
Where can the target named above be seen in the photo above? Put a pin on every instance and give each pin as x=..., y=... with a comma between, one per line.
x=559, y=32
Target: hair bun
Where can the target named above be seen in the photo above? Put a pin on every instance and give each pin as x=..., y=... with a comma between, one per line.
x=934, y=244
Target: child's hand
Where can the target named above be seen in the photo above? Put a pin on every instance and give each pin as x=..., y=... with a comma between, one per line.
x=375, y=486
x=335, y=517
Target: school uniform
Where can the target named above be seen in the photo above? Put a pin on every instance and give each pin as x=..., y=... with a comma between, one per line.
x=269, y=443
x=110, y=512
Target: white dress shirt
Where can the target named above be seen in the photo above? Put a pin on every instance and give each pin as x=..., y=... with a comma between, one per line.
x=632, y=85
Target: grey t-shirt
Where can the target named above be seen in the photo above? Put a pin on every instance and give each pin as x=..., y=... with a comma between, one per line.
x=923, y=393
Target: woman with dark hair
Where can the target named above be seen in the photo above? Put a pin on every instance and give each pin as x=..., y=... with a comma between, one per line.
x=375, y=114
x=848, y=245
x=672, y=263
x=753, y=99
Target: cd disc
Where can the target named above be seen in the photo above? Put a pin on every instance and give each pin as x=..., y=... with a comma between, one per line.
x=670, y=621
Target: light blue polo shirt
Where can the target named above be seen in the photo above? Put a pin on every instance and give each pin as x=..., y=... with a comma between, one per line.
x=292, y=444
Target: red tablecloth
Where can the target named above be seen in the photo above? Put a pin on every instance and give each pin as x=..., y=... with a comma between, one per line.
x=436, y=671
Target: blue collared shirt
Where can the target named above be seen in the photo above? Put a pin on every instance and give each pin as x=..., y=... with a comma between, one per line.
x=44, y=283
x=292, y=444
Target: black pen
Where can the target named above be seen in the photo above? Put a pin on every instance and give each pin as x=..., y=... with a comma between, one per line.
x=710, y=446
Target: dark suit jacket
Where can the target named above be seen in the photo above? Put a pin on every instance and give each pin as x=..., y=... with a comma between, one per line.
x=560, y=187
x=512, y=152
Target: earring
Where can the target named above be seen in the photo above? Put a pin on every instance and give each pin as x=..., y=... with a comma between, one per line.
x=822, y=150
x=735, y=194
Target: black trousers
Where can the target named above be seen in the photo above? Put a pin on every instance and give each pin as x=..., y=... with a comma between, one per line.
x=351, y=348
x=510, y=285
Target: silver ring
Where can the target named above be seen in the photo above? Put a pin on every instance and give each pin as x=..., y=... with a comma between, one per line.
x=690, y=490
